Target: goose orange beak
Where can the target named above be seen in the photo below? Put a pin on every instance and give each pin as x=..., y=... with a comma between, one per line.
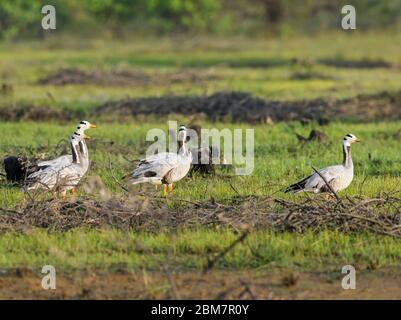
x=92, y=126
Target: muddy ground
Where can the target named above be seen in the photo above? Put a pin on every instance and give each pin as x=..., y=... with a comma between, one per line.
x=26, y=111
x=277, y=284
x=66, y=76
x=242, y=107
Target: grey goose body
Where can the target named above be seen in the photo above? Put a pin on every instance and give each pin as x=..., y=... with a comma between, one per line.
x=339, y=177
x=65, y=172
x=166, y=167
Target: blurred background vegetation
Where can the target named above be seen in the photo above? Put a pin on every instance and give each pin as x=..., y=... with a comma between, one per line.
x=20, y=19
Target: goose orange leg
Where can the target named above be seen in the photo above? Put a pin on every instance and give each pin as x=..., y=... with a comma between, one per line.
x=165, y=189
x=170, y=186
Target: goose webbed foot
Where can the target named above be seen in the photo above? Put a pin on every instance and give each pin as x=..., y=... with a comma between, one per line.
x=329, y=197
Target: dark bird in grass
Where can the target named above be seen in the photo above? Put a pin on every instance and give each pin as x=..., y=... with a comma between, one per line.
x=204, y=159
x=18, y=168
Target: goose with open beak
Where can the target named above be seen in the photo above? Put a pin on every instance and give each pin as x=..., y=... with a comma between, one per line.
x=67, y=159
x=65, y=172
x=18, y=168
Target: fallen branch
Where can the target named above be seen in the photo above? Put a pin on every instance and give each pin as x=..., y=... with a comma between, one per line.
x=328, y=185
x=211, y=263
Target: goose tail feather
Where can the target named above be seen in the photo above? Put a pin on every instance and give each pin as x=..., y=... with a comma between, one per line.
x=297, y=187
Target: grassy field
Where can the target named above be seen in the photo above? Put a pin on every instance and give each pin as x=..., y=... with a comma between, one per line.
x=267, y=68
x=113, y=251
x=280, y=159
x=263, y=68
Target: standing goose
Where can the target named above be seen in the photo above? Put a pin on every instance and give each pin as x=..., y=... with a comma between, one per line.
x=165, y=168
x=61, y=173
x=338, y=177
x=67, y=159
x=17, y=169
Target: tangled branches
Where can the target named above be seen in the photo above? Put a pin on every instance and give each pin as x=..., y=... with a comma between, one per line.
x=381, y=215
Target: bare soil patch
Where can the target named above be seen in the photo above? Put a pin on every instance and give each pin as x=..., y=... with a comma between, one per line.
x=355, y=64
x=225, y=107
x=217, y=284
x=309, y=75
x=66, y=76
x=34, y=113
x=242, y=107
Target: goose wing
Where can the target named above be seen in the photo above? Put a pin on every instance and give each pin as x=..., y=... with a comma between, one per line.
x=60, y=161
x=330, y=174
x=155, y=167
x=50, y=176
x=315, y=183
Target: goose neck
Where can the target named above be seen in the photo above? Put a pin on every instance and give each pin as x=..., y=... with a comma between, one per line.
x=182, y=149
x=347, y=159
x=74, y=152
x=84, y=153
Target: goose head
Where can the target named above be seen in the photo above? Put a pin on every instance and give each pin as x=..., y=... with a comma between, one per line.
x=82, y=126
x=182, y=133
x=349, y=139
x=182, y=139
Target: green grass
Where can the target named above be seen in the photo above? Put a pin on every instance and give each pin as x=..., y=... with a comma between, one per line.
x=280, y=159
x=262, y=67
x=189, y=249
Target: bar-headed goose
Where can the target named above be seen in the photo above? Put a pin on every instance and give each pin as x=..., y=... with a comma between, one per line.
x=338, y=177
x=61, y=173
x=18, y=168
x=165, y=168
x=67, y=159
